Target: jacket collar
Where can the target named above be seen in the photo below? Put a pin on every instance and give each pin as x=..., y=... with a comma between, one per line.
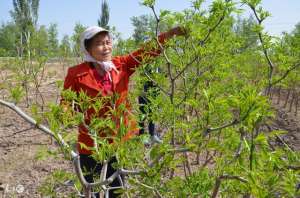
x=88, y=70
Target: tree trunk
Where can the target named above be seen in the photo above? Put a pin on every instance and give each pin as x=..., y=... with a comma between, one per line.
x=296, y=104
x=287, y=98
x=292, y=100
x=278, y=96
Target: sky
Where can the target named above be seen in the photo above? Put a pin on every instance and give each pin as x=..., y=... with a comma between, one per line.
x=66, y=13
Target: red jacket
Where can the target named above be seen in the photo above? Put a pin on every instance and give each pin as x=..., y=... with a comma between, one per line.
x=81, y=78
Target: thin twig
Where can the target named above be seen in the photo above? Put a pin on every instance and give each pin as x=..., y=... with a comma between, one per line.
x=151, y=79
x=160, y=45
x=265, y=50
x=43, y=128
x=227, y=177
x=284, y=143
x=240, y=147
x=209, y=130
x=285, y=74
x=131, y=172
x=186, y=66
x=202, y=42
x=17, y=132
x=176, y=150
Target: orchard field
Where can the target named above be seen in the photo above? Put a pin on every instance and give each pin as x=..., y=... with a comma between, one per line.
x=227, y=108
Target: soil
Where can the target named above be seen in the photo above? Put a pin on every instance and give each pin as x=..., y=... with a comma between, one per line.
x=20, y=145
x=288, y=121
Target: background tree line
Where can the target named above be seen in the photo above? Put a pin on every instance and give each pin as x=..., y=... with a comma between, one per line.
x=22, y=34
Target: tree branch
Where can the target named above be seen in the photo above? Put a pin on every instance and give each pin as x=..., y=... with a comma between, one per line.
x=151, y=79
x=17, y=132
x=202, y=42
x=227, y=177
x=240, y=147
x=234, y=122
x=185, y=67
x=285, y=74
x=265, y=51
x=43, y=128
x=160, y=45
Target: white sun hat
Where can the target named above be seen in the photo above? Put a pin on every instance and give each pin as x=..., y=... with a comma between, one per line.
x=92, y=31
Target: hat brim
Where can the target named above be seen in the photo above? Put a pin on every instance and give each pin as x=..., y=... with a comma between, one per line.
x=92, y=31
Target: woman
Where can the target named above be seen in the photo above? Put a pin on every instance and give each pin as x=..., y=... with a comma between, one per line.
x=104, y=75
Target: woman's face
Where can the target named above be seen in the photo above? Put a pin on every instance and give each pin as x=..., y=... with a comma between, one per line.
x=101, y=47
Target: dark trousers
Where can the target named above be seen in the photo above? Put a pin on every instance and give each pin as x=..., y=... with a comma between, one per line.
x=143, y=101
x=92, y=169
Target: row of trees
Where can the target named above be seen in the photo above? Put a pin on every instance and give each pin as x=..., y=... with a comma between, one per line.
x=43, y=41
x=22, y=36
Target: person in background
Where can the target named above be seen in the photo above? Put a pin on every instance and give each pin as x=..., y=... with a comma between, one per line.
x=101, y=75
x=150, y=90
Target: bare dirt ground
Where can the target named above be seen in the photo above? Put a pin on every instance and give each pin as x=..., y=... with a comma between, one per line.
x=289, y=121
x=22, y=174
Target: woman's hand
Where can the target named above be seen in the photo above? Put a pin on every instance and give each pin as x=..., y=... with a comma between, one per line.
x=176, y=31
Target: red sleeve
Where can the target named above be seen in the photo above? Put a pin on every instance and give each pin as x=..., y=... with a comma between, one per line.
x=132, y=60
x=69, y=83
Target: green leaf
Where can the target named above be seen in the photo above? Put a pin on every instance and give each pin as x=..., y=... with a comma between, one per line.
x=148, y=3
x=16, y=93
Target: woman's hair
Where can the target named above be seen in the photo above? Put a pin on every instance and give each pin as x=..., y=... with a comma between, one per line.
x=88, y=42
